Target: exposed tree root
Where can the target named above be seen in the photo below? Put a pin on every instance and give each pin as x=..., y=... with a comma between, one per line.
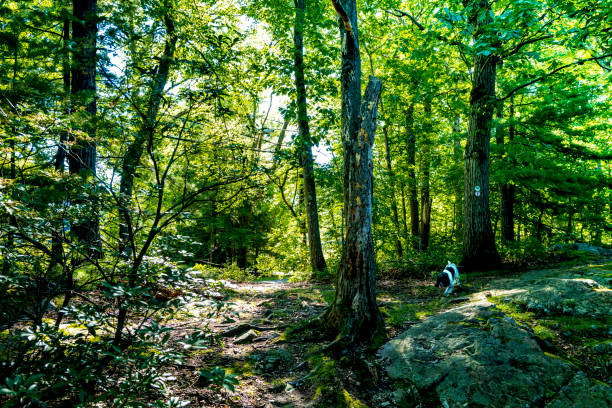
x=244, y=327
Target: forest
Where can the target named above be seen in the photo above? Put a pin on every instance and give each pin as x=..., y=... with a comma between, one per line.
x=246, y=203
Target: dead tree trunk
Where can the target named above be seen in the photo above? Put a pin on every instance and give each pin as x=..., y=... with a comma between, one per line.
x=354, y=313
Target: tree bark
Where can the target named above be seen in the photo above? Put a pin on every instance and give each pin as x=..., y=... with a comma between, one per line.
x=425, y=224
x=398, y=242
x=507, y=188
x=457, y=154
x=412, y=184
x=479, y=251
x=404, y=217
x=317, y=260
x=57, y=234
x=354, y=312
x=144, y=135
x=82, y=157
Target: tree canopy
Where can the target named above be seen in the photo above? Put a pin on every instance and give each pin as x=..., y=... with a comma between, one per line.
x=149, y=145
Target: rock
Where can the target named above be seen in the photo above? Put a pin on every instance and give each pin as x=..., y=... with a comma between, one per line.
x=582, y=296
x=273, y=360
x=277, y=388
x=580, y=246
x=582, y=392
x=473, y=356
x=246, y=338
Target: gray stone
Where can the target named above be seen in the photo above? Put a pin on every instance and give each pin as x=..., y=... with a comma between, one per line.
x=273, y=360
x=246, y=338
x=476, y=356
x=583, y=297
x=473, y=355
x=582, y=392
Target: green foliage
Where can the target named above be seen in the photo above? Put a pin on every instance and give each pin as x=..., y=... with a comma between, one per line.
x=228, y=272
x=217, y=376
x=216, y=187
x=46, y=362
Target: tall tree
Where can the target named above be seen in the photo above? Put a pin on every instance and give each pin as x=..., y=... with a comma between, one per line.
x=147, y=127
x=317, y=260
x=396, y=224
x=507, y=188
x=413, y=202
x=82, y=157
x=457, y=157
x=425, y=226
x=354, y=312
x=479, y=251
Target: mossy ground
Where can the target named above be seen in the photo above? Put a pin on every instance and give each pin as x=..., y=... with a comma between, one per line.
x=303, y=376
x=300, y=376
x=582, y=340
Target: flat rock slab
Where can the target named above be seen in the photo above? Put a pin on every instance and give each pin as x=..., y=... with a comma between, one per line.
x=476, y=356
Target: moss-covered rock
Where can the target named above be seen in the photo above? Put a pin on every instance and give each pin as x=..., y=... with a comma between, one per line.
x=488, y=353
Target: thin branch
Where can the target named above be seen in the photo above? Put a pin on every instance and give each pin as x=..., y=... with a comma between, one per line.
x=578, y=62
x=400, y=13
x=524, y=43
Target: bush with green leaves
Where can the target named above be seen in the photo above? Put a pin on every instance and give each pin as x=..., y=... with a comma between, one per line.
x=79, y=362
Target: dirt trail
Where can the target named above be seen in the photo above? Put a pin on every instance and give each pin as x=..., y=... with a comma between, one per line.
x=498, y=331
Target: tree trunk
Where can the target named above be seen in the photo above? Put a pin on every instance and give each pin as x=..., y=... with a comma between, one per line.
x=540, y=224
x=57, y=234
x=404, y=217
x=412, y=185
x=9, y=244
x=479, y=250
x=354, y=312
x=570, y=227
x=457, y=154
x=398, y=242
x=507, y=189
x=82, y=158
x=144, y=135
x=317, y=260
x=425, y=225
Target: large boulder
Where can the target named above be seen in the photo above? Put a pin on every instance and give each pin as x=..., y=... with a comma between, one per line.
x=582, y=297
x=472, y=356
x=477, y=356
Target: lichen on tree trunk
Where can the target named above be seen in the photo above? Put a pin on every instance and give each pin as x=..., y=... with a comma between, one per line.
x=354, y=313
x=479, y=250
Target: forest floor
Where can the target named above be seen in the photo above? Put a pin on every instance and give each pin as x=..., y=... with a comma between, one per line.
x=279, y=370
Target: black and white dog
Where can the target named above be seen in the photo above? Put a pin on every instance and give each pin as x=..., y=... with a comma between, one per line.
x=448, y=278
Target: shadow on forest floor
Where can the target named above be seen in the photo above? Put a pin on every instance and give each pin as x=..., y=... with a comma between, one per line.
x=275, y=370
